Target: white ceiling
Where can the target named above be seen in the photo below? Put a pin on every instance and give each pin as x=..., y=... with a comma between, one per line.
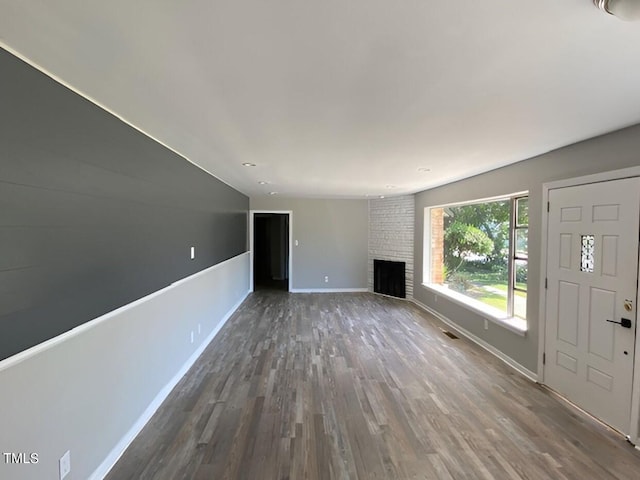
x=342, y=97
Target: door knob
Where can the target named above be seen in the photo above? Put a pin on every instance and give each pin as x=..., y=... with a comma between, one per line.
x=625, y=322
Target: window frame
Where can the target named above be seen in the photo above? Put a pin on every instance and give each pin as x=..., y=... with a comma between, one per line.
x=509, y=320
x=514, y=257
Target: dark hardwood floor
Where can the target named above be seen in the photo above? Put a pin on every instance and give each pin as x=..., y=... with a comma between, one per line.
x=320, y=386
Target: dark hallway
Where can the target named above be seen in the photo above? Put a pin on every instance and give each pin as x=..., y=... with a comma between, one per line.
x=271, y=251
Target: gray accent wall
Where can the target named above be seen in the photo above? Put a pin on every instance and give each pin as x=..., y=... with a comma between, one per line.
x=614, y=151
x=332, y=241
x=93, y=213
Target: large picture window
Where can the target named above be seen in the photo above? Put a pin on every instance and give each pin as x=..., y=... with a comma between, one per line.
x=480, y=250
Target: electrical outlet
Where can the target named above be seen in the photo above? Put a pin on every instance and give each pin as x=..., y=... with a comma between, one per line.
x=65, y=464
x=191, y=336
x=486, y=324
x=326, y=279
x=193, y=253
x=297, y=243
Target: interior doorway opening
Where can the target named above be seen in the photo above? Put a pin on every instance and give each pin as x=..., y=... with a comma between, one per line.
x=271, y=251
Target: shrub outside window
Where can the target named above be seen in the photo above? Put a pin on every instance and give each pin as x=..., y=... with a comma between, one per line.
x=480, y=250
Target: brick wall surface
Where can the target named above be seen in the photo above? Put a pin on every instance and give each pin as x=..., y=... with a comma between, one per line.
x=391, y=234
x=437, y=245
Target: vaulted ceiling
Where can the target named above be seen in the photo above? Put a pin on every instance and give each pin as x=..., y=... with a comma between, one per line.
x=342, y=98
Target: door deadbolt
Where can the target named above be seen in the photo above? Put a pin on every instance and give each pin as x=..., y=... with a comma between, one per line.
x=625, y=322
x=628, y=305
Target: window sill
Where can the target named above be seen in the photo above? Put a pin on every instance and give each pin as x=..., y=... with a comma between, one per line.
x=514, y=324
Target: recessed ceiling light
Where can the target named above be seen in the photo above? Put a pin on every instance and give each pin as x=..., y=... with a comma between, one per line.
x=248, y=164
x=424, y=169
x=262, y=182
x=391, y=186
x=273, y=193
x=381, y=196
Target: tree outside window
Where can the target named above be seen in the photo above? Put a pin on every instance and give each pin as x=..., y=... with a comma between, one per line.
x=481, y=250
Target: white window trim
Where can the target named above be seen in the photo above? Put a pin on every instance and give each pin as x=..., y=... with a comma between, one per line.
x=516, y=325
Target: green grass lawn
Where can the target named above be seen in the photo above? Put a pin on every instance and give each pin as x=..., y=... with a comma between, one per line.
x=490, y=288
x=494, y=281
x=493, y=299
x=503, y=287
x=487, y=278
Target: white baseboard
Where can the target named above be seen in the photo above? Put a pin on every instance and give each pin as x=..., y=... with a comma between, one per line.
x=137, y=427
x=328, y=290
x=477, y=340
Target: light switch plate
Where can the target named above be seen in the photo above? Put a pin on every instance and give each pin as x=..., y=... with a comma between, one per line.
x=65, y=464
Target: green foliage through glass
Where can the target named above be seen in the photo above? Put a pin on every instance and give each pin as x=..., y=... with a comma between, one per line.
x=475, y=252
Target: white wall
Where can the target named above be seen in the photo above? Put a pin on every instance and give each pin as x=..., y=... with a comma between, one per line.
x=92, y=389
x=391, y=232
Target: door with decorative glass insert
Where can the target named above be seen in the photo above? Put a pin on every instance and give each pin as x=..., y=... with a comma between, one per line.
x=592, y=269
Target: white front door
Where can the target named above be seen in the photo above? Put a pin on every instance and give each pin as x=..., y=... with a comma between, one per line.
x=592, y=269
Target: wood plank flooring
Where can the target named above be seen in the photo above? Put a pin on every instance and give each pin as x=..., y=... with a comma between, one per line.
x=359, y=386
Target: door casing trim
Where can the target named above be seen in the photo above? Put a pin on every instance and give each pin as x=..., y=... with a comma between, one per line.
x=289, y=213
